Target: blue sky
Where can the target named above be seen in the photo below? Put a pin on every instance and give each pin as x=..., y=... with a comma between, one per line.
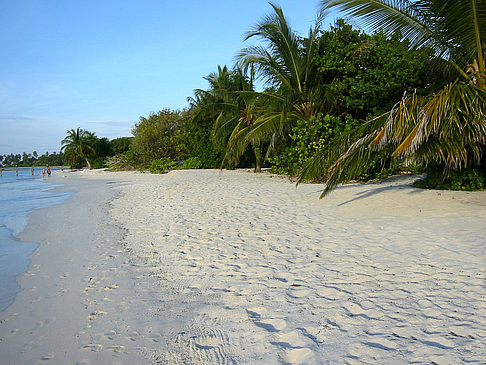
x=102, y=64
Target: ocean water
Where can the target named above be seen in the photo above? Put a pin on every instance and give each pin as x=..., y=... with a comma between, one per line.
x=19, y=195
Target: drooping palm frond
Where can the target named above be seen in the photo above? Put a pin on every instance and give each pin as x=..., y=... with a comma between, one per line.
x=451, y=122
x=281, y=59
x=413, y=19
x=455, y=29
x=448, y=127
x=295, y=89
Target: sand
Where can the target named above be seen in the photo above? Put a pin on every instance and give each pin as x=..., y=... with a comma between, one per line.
x=230, y=267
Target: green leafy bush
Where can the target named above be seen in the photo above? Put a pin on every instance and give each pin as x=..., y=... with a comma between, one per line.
x=121, y=162
x=157, y=136
x=307, y=138
x=192, y=163
x=370, y=72
x=467, y=179
x=162, y=165
x=98, y=163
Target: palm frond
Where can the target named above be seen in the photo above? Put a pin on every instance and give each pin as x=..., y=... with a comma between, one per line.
x=448, y=127
x=413, y=19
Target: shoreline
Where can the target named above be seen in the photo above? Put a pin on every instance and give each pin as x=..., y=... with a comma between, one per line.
x=49, y=320
x=210, y=266
x=20, y=195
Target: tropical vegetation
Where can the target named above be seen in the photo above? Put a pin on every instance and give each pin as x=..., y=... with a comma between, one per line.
x=83, y=148
x=335, y=105
x=446, y=129
x=31, y=159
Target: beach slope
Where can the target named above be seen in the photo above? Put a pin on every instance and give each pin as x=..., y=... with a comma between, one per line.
x=217, y=267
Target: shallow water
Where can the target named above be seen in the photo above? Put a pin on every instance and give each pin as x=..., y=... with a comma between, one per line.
x=19, y=195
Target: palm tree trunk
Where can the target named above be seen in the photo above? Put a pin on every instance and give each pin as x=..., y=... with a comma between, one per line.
x=258, y=158
x=258, y=167
x=89, y=165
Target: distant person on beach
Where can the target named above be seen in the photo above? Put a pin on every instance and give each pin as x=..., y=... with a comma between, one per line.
x=49, y=170
x=43, y=172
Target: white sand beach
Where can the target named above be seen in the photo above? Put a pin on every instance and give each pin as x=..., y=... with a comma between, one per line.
x=231, y=267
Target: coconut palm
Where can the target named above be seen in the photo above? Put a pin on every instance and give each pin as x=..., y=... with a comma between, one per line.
x=230, y=104
x=77, y=145
x=294, y=89
x=448, y=127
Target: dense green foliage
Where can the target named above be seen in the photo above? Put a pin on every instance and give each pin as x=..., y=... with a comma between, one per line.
x=370, y=73
x=83, y=148
x=78, y=146
x=469, y=178
x=335, y=105
x=162, y=165
x=294, y=88
x=366, y=76
x=193, y=163
x=307, y=138
x=447, y=127
x=158, y=136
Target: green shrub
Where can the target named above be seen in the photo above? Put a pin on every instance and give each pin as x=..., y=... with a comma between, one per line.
x=193, y=163
x=162, y=165
x=307, y=138
x=121, y=162
x=99, y=163
x=467, y=179
x=381, y=169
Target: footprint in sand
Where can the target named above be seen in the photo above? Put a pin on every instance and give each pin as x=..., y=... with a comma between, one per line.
x=330, y=293
x=155, y=337
x=380, y=343
x=111, y=287
x=356, y=310
x=47, y=357
x=12, y=333
x=95, y=347
x=298, y=292
x=116, y=348
x=405, y=332
x=294, y=339
x=210, y=340
x=272, y=325
x=256, y=312
x=83, y=362
x=439, y=342
x=95, y=315
x=299, y=356
x=134, y=336
x=110, y=334
x=461, y=331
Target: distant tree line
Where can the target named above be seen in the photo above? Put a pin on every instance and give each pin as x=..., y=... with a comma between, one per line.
x=31, y=159
x=87, y=150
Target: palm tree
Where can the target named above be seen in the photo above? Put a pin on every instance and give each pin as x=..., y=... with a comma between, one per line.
x=77, y=145
x=448, y=127
x=294, y=88
x=230, y=104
